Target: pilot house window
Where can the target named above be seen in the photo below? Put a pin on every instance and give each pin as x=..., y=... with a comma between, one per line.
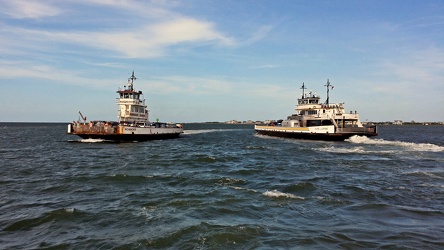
x=137, y=109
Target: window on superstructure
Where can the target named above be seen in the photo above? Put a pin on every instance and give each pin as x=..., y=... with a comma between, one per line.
x=311, y=123
x=312, y=112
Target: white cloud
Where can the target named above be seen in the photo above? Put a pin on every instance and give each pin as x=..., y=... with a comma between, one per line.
x=187, y=30
x=158, y=9
x=24, y=9
x=423, y=68
x=50, y=74
x=189, y=85
x=260, y=34
x=149, y=41
x=265, y=66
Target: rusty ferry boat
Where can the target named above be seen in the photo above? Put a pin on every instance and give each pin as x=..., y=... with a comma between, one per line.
x=314, y=120
x=132, y=125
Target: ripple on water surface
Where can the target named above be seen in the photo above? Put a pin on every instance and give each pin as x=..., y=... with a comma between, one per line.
x=221, y=186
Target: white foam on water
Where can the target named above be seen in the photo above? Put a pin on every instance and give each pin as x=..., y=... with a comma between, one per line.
x=91, y=140
x=241, y=188
x=409, y=145
x=69, y=210
x=427, y=174
x=342, y=150
x=278, y=194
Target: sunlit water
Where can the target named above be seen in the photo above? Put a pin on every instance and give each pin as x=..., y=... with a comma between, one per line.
x=221, y=187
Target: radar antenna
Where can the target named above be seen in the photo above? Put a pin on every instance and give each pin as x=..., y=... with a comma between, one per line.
x=303, y=88
x=131, y=81
x=328, y=91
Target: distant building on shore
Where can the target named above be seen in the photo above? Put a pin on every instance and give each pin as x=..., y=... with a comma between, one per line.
x=244, y=122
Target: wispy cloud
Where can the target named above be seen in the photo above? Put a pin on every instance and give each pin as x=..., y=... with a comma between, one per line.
x=258, y=35
x=150, y=38
x=265, y=66
x=189, y=85
x=423, y=22
x=422, y=67
x=47, y=73
x=29, y=9
x=142, y=42
x=187, y=30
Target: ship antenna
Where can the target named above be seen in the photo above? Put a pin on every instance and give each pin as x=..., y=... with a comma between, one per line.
x=132, y=78
x=303, y=88
x=328, y=91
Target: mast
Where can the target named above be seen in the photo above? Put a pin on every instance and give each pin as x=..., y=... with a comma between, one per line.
x=328, y=91
x=303, y=88
x=131, y=81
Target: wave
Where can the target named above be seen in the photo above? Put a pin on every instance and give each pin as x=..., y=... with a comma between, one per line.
x=242, y=188
x=410, y=145
x=63, y=214
x=355, y=150
x=342, y=150
x=202, y=236
x=272, y=194
x=433, y=175
x=278, y=194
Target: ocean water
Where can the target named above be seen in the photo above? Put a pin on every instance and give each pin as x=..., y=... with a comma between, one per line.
x=221, y=187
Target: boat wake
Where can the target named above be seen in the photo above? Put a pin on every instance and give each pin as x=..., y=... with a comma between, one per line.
x=203, y=131
x=356, y=150
x=411, y=146
x=89, y=141
x=278, y=194
x=92, y=140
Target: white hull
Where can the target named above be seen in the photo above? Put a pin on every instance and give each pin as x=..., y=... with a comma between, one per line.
x=327, y=133
x=308, y=130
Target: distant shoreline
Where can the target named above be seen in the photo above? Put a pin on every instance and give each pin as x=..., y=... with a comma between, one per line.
x=258, y=123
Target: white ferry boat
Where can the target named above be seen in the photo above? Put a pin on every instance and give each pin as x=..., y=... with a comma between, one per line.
x=314, y=120
x=132, y=125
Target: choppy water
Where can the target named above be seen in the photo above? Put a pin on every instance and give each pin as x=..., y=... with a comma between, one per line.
x=221, y=187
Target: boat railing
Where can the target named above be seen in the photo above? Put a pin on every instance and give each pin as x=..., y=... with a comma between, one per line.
x=94, y=129
x=368, y=129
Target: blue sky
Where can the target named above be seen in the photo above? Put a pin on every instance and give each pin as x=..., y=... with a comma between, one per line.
x=203, y=60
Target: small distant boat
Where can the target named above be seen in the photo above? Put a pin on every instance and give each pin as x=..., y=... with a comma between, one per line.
x=132, y=125
x=314, y=120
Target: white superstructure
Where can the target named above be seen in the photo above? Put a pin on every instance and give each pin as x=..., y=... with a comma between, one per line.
x=132, y=108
